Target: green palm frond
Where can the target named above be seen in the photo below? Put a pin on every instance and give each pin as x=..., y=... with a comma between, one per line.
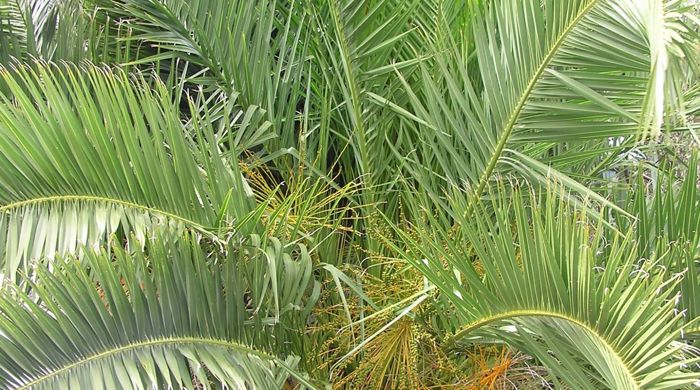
x=89, y=150
x=254, y=50
x=551, y=72
x=51, y=30
x=668, y=223
x=13, y=31
x=176, y=317
x=357, y=50
x=542, y=278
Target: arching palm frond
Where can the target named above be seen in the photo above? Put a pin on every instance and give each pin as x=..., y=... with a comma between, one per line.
x=87, y=151
x=542, y=278
x=552, y=73
x=175, y=317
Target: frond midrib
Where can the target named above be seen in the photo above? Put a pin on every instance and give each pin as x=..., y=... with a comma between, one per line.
x=512, y=314
x=507, y=131
x=148, y=344
x=95, y=198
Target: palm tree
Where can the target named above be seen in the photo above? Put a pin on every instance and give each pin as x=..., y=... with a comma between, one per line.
x=349, y=193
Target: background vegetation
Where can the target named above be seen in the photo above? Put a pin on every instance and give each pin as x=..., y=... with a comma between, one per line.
x=355, y=194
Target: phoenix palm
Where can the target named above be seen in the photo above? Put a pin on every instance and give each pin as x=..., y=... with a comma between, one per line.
x=353, y=193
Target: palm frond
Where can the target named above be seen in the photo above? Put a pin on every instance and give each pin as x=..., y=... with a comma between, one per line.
x=174, y=317
x=667, y=222
x=254, y=50
x=355, y=54
x=542, y=278
x=553, y=72
x=51, y=30
x=13, y=31
x=89, y=150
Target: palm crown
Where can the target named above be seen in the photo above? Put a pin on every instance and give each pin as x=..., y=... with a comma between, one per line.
x=349, y=193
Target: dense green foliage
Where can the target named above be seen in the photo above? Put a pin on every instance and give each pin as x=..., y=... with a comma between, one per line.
x=352, y=194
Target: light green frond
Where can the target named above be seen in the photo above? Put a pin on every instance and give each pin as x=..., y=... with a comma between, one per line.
x=96, y=138
x=544, y=279
x=174, y=317
x=51, y=30
x=668, y=223
x=555, y=73
x=13, y=33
